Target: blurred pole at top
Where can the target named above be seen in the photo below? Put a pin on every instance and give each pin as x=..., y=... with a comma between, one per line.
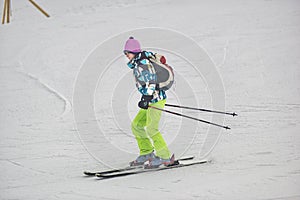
x=7, y=13
x=39, y=8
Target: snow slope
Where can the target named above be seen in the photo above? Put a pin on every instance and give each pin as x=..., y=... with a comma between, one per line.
x=255, y=46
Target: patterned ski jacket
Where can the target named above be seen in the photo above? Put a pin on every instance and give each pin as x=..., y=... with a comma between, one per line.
x=145, y=76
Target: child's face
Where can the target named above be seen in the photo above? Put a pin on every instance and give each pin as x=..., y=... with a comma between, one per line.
x=129, y=55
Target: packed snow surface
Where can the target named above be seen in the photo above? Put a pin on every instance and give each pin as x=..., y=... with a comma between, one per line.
x=254, y=46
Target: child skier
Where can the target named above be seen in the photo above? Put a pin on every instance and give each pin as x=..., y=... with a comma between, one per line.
x=145, y=124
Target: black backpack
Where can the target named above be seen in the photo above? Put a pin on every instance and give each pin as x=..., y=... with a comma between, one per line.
x=164, y=72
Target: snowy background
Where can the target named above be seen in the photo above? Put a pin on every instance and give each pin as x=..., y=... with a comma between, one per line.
x=255, y=46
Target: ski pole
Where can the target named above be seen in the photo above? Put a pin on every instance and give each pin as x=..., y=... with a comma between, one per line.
x=201, y=109
x=182, y=115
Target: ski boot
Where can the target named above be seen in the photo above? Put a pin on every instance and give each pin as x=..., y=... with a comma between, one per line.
x=142, y=159
x=157, y=161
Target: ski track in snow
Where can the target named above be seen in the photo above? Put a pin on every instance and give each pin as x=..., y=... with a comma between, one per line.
x=67, y=103
x=284, y=197
x=224, y=54
x=22, y=166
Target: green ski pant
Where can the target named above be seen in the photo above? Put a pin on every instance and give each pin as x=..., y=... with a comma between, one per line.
x=145, y=129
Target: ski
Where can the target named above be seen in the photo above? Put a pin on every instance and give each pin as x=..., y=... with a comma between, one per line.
x=129, y=168
x=90, y=173
x=142, y=170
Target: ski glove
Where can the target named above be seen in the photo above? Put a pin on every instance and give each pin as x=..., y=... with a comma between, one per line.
x=144, y=102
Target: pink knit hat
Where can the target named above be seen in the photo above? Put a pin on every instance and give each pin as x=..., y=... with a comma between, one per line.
x=132, y=45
